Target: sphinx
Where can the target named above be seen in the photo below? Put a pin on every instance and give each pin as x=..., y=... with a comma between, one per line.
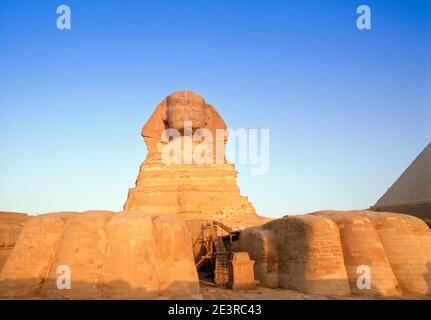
x=186, y=171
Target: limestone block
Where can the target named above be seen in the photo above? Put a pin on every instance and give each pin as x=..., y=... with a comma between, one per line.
x=321, y=252
x=131, y=266
x=126, y=255
x=82, y=248
x=9, y=234
x=241, y=274
x=178, y=275
x=362, y=247
x=421, y=233
x=11, y=224
x=207, y=191
x=406, y=242
x=262, y=247
x=310, y=255
x=28, y=265
x=4, y=255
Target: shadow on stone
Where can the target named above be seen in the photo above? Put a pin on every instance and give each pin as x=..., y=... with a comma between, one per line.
x=119, y=289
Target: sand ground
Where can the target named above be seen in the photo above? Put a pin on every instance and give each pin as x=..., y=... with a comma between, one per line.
x=209, y=292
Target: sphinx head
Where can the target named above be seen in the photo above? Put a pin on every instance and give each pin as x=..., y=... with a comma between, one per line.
x=180, y=111
x=186, y=106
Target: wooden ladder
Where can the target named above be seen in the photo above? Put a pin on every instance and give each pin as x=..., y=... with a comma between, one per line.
x=221, y=260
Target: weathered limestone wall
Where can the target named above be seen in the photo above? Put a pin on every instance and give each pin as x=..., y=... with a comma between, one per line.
x=199, y=191
x=29, y=263
x=262, y=247
x=131, y=269
x=362, y=246
x=175, y=257
x=406, y=241
x=310, y=255
x=320, y=253
x=82, y=248
x=125, y=255
x=11, y=225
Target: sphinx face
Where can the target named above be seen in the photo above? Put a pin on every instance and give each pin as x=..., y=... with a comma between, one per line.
x=186, y=106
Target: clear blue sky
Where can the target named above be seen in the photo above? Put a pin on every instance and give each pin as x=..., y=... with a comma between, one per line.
x=347, y=110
